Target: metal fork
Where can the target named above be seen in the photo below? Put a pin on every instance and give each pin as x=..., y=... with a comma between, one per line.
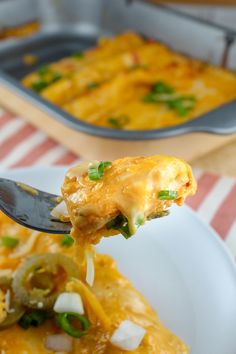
x=30, y=207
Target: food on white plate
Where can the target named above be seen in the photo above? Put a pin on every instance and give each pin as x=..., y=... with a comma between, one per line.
x=57, y=294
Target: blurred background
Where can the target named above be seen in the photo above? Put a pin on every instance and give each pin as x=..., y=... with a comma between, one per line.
x=20, y=18
x=34, y=32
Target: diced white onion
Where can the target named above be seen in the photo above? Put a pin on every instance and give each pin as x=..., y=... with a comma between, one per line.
x=128, y=336
x=69, y=302
x=59, y=210
x=89, y=268
x=59, y=342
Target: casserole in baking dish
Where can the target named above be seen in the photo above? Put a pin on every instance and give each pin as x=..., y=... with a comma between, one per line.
x=130, y=83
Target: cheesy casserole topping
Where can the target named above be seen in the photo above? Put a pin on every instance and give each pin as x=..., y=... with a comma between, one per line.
x=128, y=82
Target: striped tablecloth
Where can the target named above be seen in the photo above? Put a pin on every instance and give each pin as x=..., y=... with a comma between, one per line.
x=23, y=145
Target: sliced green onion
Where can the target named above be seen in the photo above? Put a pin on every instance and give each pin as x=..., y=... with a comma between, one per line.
x=9, y=242
x=34, y=318
x=96, y=171
x=120, y=223
x=78, y=55
x=38, y=86
x=167, y=195
x=65, y=320
x=139, y=221
x=163, y=93
x=43, y=70
x=67, y=241
x=150, y=98
x=118, y=122
x=56, y=77
x=92, y=85
x=161, y=87
x=158, y=98
x=182, y=105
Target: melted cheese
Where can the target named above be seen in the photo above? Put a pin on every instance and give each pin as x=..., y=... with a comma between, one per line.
x=124, y=69
x=106, y=48
x=130, y=187
x=111, y=300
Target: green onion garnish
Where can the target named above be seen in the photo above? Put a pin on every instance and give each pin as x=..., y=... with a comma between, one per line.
x=9, y=242
x=38, y=86
x=167, y=195
x=67, y=241
x=163, y=93
x=78, y=55
x=55, y=77
x=118, y=122
x=43, y=70
x=149, y=98
x=34, y=318
x=120, y=223
x=96, y=171
x=67, y=322
x=161, y=87
x=114, y=122
x=92, y=85
x=139, y=221
x=182, y=105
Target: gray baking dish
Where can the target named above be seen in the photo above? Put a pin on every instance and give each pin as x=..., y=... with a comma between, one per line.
x=58, y=39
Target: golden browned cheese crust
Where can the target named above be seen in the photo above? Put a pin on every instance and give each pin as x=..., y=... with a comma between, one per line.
x=107, y=85
x=130, y=187
x=114, y=292
x=70, y=66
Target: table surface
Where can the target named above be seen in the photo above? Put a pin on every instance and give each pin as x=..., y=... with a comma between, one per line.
x=221, y=161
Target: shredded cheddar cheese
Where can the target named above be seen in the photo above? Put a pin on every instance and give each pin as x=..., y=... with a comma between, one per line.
x=90, y=300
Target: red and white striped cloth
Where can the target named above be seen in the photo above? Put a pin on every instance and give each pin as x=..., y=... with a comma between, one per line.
x=23, y=145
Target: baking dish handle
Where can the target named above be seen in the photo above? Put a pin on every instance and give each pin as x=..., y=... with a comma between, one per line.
x=221, y=120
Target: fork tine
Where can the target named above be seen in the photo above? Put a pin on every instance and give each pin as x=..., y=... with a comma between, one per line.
x=30, y=207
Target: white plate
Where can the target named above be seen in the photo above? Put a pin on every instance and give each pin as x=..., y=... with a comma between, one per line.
x=179, y=264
